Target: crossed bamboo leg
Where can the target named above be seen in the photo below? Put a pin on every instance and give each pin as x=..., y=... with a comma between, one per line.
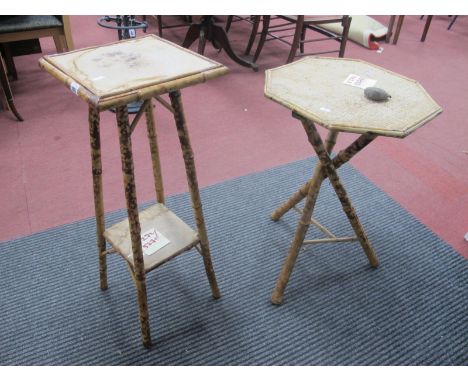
x=325, y=168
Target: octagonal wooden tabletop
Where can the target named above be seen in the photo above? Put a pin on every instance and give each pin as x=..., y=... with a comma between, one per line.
x=330, y=92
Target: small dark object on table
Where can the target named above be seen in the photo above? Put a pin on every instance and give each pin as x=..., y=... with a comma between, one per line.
x=376, y=94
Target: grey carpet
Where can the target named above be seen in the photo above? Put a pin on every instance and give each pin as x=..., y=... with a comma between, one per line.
x=337, y=310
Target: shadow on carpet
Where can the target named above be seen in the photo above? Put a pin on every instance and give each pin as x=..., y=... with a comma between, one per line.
x=412, y=310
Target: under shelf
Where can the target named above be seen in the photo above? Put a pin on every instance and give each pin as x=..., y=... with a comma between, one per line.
x=158, y=216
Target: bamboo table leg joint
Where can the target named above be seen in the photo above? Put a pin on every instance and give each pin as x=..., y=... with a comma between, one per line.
x=138, y=268
x=319, y=90
x=104, y=82
x=326, y=168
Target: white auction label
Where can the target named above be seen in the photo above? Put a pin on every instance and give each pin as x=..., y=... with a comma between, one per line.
x=359, y=81
x=74, y=87
x=152, y=241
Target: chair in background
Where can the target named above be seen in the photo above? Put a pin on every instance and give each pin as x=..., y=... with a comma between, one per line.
x=454, y=18
x=17, y=30
x=400, y=24
x=254, y=20
x=5, y=86
x=300, y=25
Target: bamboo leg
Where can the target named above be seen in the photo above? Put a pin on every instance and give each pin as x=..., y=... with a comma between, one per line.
x=301, y=231
x=95, y=140
x=153, y=140
x=132, y=210
x=302, y=193
x=187, y=153
x=329, y=169
x=341, y=158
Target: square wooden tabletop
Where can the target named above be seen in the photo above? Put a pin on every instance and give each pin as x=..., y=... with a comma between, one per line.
x=124, y=71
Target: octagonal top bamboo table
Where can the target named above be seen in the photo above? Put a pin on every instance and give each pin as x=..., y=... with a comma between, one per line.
x=330, y=92
x=112, y=76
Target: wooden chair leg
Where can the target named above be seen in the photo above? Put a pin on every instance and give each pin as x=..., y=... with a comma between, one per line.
x=296, y=39
x=301, y=42
x=64, y=43
x=160, y=26
x=398, y=29
x=346, y=23
x=134, y=222
x=59, y=44
x=390, y=29
x=426, y=28
x=228, y=23
x=67, y=34
x=187, y=153
x=7, y=90
x=263, y=36
x=253, y=34
x=9, y=63
x=454, y=18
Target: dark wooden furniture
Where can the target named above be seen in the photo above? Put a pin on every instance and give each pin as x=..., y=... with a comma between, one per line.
x=161, y=26
x=254, y=20
x=20, y=33
x=299, y=25
x=5, y=87
x=16, y=28
x=204, y=29
x=115, y=75
x=400, y=20
x=454, y=18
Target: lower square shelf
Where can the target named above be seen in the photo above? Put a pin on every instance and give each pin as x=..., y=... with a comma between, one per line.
x=158, y=216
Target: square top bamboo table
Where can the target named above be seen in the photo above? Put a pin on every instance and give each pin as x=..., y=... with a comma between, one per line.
x=318, y=90
x=112, y=76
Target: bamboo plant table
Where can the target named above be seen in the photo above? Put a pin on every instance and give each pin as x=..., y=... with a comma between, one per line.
x=316, y=92
x=115, y=75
